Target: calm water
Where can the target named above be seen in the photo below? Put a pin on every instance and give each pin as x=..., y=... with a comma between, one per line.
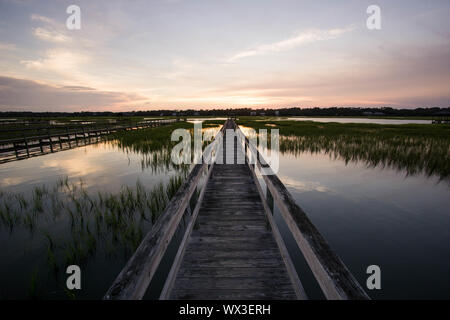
x=369, y=215
x=376, y=216
x=100, y=166
x=358, y=120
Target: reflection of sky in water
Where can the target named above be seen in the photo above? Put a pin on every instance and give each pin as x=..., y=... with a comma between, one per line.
x=377, y=216
x=200, y=120
x=357, y=120
x=100, y=166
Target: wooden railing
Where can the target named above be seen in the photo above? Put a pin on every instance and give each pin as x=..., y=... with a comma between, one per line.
x=27, y=146
x=333, y=277
x=134, y=279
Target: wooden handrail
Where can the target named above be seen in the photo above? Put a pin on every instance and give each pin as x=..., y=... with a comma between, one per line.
x=133, y=280
x=76, y=125
x=334, y=278
x=91, y=129
x=65, y=133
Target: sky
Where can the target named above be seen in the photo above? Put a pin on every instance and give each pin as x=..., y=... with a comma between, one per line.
x=202, y=54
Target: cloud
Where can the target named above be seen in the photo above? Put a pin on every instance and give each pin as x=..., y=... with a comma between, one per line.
x=36, y=17
x=21, y=94
x=52, y=31
x=50, y=35
x=58, y=60
x=7, y=46
x=291, y=43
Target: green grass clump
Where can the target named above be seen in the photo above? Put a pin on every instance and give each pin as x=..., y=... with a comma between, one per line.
x=117, y=221
x=155, y=145
x=415, y=148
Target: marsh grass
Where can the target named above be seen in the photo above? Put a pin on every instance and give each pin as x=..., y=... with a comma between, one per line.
x=413, y=148
x=105, y=223
x=155, y=145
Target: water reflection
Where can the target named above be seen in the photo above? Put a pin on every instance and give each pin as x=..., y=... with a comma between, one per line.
x=377, y=216
x=102, y=166
x=413, y=155
x=355, y=120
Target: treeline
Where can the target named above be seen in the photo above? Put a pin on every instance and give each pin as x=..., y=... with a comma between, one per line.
x=311, y=112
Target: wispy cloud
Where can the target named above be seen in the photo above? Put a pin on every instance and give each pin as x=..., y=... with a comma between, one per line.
x=58, y=60
x=52, y=31
x=7, y=46
x=291, y=43
x=36, y=17
x=50, y=35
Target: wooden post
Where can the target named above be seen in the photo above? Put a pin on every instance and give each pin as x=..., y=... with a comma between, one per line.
x=50, y=140
x=15, y=150
x=76, y=137
x=26, y=145
x=245, y=152
x=269, y=199
x=84, y=136
x=68, y=137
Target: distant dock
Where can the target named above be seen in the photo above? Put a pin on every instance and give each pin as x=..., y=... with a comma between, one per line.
x=57, y=138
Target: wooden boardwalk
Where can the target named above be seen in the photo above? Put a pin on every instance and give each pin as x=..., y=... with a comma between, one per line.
x=232, y=247
x=63, y=138
x=232, y=253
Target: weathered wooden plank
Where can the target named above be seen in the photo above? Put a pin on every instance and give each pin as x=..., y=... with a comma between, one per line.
x=228, y=234
x=234, y=294
x=234, y=262
x=271, y=252
x=224, y=246
x=228, y=215
x=239, y=272
x=217, y=283
x=249, y=222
